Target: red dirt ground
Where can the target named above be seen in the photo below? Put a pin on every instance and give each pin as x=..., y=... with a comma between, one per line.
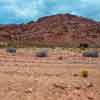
x=26, y=77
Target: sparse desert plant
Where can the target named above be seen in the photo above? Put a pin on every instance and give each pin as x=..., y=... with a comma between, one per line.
x=91, y=54
x=42, y=53
x=11, y=50
x=84, y=73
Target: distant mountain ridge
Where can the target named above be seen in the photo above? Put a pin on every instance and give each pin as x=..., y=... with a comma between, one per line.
x=56, y=30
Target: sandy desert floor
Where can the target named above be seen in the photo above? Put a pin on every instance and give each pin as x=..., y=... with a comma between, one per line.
x=26, y=77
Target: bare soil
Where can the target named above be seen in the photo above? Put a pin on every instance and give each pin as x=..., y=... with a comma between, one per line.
x=26, y=77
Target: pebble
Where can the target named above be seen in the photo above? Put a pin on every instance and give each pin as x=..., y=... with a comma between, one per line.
x=28, y=90
x=89, y=85
x=75, y=74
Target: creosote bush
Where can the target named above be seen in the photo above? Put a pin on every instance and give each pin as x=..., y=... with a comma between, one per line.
x=92, y=53
x=11, y=50
x=42, y=53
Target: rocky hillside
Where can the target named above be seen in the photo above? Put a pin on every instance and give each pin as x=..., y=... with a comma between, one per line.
x=57, y=30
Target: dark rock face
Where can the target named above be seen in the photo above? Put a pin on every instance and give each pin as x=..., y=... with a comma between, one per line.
x=57, y=30
x=91, y=54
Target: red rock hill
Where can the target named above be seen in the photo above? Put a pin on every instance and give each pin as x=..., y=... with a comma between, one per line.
x=57, y=30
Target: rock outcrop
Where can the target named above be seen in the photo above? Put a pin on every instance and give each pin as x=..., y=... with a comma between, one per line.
x=56, y=30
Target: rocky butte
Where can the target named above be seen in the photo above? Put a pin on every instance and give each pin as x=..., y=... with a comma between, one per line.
x=57, y=30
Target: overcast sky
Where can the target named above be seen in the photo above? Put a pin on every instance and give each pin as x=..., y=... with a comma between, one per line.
x=21, y=11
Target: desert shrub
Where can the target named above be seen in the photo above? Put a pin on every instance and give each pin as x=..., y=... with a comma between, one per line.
x=84, y=73
x=42, y=53
x=11, y=50
x=91, y=54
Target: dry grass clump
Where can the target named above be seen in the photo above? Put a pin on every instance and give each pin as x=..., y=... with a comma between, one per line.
x=84, y=73
x=82, y=49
